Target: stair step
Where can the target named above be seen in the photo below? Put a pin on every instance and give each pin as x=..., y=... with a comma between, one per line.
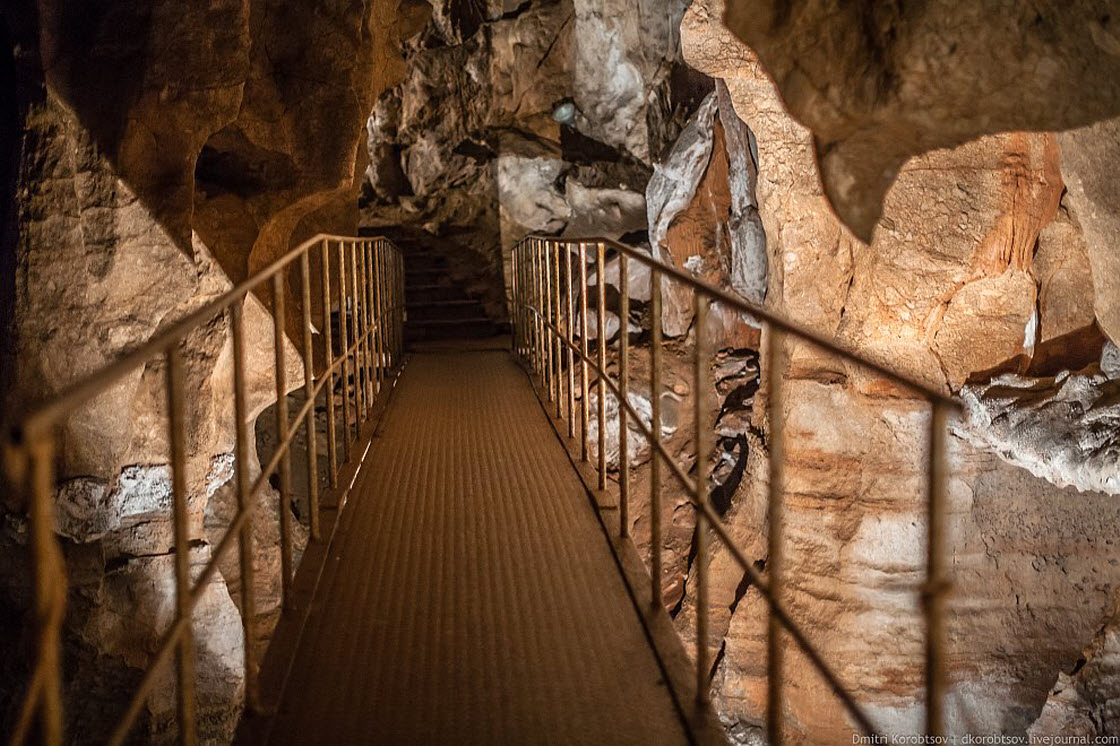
x=424, y=260
x=463, y=328
x=421, y=294
x=424, y=276
x=450, y=310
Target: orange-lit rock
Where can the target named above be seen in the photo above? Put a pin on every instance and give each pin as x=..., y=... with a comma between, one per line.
x=879, y=83
x=953, y=285
x=167, y=148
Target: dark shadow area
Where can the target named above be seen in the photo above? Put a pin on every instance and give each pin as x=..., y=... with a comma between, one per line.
x=9, y=166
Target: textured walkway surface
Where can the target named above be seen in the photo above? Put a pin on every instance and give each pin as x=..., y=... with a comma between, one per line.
x=471, y=596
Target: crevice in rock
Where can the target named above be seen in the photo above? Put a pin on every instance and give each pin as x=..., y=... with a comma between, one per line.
x=745, y=585
x=479, y=152
x=518, y=11
x=121, y=560
x=722, y=493
x=739, y=398
x=716, y=660
x=552, y=45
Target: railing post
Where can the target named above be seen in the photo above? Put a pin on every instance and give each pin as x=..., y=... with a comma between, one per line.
x=519, y=309
x=362, y=291
x=50, y=589
x=601, y=345
x=386, y=321
x=526, y=299
x=378, y=320
x=519, y=300
x=282, y=424
x=655, y=429
x=241, y=410
x=344, y=349
x=538, y=318
x=519, y=306
x=571, y=340
x=546, y=315
x=530, y=299
x=624, y=396
x=401, y=299
x=328, y=370
x=558, y=338
x=585, y=393
x=775, y=654
x=401, y=302
x=514, y=320
x=365, y=263
x=522, y=300
x=310, y=432
x=356, y=340
x=936, y=585
x=367, y=319
x=526, y=295
x=703, y=437
x=177, y=439
x=382, y=317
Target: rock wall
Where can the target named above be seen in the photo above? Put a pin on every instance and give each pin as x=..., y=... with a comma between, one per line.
x=543, y=117
x=980, y=264
x=167, y=149
x=877, y=83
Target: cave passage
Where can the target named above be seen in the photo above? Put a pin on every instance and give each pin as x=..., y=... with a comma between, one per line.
x=471, y=597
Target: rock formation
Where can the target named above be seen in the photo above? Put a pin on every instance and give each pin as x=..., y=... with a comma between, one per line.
x=156, y=153
x=977, y=266
x=167, y=149
x=877, y=83
x=1084, y=701
x=545, y=117
x=703, y=215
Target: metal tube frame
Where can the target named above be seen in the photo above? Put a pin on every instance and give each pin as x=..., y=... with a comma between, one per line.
x=31, y=445
x=584, y=413
x=570, y=336
x=344, y=354
x=775, y=650
x=624, y=392
x=703, y=439
x=284, y=507
x=656, y=539
x=601, y=346
x=558, y=372
x=328, y=346
x=176, y=425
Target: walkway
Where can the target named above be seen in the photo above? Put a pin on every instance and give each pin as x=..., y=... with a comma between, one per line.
x=472, y=596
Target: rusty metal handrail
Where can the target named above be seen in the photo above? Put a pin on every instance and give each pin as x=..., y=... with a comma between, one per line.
x=370, y=298
x=544, y=336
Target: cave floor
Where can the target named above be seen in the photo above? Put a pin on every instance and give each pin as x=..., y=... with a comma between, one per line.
x=471, y=595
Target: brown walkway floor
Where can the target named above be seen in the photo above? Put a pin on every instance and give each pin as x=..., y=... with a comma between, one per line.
x=471, y=596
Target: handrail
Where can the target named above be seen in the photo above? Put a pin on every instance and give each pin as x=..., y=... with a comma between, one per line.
x=790, y=327
x=545, y=336
x=97, y=382
x=370, y=299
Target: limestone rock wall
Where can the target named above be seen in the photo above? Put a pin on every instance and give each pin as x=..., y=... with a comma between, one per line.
x=879, y=82
x=980, y=264
x=545, y=116
x=167, y=150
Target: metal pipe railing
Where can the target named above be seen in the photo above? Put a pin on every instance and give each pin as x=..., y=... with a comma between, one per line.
x=370, y=298
x=532, y=318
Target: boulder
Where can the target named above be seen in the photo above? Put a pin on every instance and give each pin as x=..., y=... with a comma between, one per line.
x=878, y=83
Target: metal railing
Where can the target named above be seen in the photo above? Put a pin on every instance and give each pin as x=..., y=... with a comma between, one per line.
x=368, y=274
x=551, y=334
